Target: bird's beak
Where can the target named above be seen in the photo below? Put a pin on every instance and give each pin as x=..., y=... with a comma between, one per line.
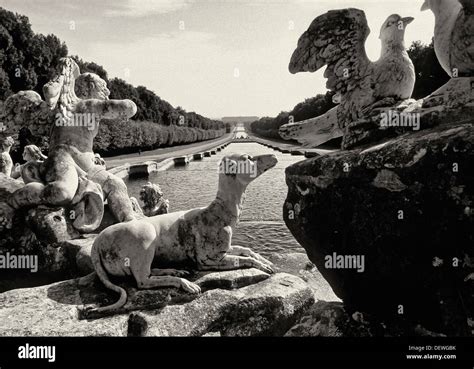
x=407, y=20
x=425, y=6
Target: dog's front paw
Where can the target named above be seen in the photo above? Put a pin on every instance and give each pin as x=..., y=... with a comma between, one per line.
x=86, y=312
x=265, y=261
x=182, y=273
x=190, y=286
x=267, y=268
x=170, y=272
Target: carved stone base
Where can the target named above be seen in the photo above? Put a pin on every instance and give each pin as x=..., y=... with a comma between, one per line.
x=452, y=103
x=264, y=307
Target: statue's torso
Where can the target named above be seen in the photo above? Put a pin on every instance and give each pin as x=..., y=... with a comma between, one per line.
x=444, y=26
x=77, y=141
x=6, y=163
x=398, y=76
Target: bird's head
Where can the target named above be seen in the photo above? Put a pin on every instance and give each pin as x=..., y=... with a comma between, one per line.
x=393, y=29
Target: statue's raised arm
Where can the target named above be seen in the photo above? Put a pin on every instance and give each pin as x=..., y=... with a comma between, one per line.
x=70, y=175
x=93, y=94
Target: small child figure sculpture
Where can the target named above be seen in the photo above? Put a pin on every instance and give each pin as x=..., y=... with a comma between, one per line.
x=30, y=170
x=153, y=200
x=6, y=163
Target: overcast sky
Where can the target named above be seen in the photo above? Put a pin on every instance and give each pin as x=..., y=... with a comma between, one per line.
x=215, y=57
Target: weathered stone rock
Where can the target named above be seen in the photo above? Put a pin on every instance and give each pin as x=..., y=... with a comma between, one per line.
x=149, y=299
x=78, y=253
x=331, y=319
x=266, y=308
x=269, y=308
x=8, y=186
x=406, y=206
x=298, y=264
x=52, y=310
x=230, y=279
x=16, y=238
x=50, y=225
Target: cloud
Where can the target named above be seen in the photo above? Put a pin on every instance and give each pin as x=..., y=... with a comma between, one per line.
x=143, y=8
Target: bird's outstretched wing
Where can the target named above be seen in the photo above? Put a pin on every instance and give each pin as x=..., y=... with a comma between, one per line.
x=26, y=109
x=336, y=39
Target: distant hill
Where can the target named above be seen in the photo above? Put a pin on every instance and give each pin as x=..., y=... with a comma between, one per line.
x=239, y=119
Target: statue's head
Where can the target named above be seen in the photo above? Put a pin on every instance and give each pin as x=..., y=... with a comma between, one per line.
x=33, y=153
x=6, y=142
x=98, y=160
x=393, y=29
x=151, y=195
x=91, y=86
x=236, y=171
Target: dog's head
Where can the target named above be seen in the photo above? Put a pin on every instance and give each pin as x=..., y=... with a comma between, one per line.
x=241, y=169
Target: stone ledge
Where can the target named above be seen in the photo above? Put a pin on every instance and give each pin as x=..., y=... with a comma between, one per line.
x=266, y=308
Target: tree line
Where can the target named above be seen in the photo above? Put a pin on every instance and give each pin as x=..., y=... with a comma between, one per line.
x=28, y=61
x=429, y=77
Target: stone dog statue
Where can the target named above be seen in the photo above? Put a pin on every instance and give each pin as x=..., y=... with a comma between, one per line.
x=69, y=174
x=198, y=238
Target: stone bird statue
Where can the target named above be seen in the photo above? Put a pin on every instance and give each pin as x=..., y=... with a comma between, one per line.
x=337, y=39
x=454, y=35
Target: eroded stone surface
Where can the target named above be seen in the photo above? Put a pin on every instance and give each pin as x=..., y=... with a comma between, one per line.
x=406, y=206
x=298, y=264
x=17, y=239
x=52, y=310
x=454, y=49
x=451, y=103
x=331, y=319
x=269, y=307
x=230, y=279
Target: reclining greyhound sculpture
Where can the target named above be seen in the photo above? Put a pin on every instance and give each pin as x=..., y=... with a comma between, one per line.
x=198, y=238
